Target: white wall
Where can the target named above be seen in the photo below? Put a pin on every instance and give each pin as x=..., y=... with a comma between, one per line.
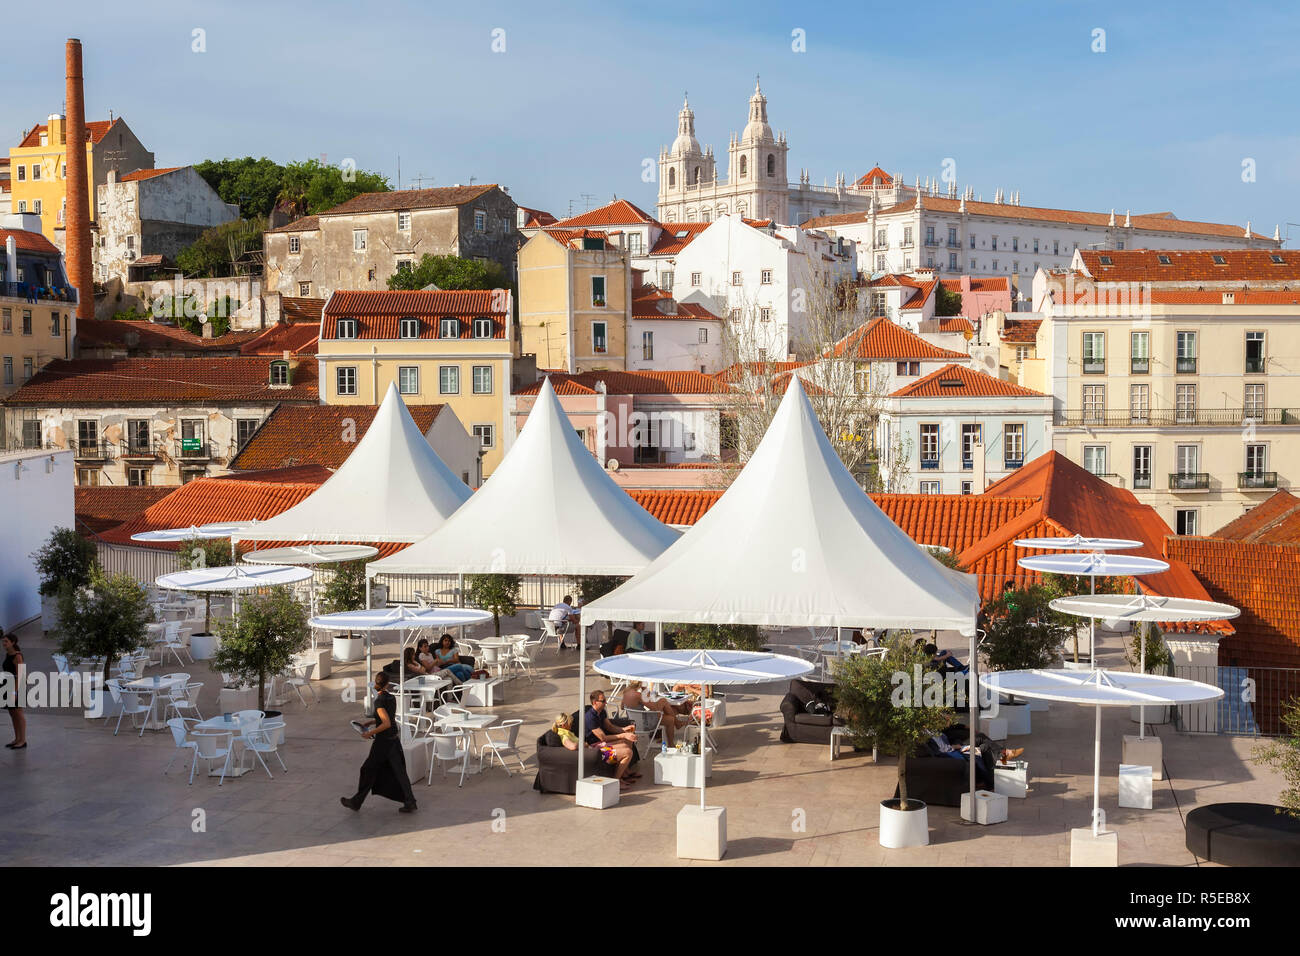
x=455, y=445
x=35, y=498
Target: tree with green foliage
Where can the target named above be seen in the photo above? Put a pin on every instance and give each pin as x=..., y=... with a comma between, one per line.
x=719, y=637
x=498, y=593
x=214, y=253
x=874, y=696
x=1159, y=659
x=197, y=553
x=103, y=617
x=946, y=557
x=346, y=588
x=65, y=558
x=270, y=630
x=258, y=186
x=946, y=302
x=314, y=187
x=1283, y=753
x=252, y=184
x=589, y=587
x=1022, y=632
x=450, y=273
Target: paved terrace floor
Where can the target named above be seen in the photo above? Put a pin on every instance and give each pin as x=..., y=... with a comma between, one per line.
x=80, y=796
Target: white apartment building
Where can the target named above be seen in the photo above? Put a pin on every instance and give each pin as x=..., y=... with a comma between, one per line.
x=665, y=335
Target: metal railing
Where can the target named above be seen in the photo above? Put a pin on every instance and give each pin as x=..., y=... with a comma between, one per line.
x=31, y=292
x=1189, y=481
x=1139, y=366
x=1254, y=365
x=202, y=450
x=136, y=449
x=92, y=449
x=534, y=591
x=1257, y=479
x=1166, y=417
x=1142, y=479
x=1011, y=463
x=1253, y=701
x=1094, y=366
x=1186, y=366
x=929, y=464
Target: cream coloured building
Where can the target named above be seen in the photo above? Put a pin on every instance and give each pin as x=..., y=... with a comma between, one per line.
x=1176, y=374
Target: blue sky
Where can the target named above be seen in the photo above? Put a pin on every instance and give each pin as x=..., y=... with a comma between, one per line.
x=1162, y=120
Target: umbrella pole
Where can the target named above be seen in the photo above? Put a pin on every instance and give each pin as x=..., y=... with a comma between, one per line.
x=582, y=697
x=1142, y=710
x=401, y=680
x=704, y=749
x=973, y=708
x=1096, y=775
x=1092, y=625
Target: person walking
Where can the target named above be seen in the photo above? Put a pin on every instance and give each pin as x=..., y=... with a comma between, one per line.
x=12, y=663
x=384, y=772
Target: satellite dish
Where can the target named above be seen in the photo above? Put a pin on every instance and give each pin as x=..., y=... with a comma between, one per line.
x=611, y=465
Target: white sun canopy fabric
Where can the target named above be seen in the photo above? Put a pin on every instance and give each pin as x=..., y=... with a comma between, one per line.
x=393, y=487
x=400, y=618
x=312, y=554
x=1095, y=564
x=1145, y=607
x=795, y=542
x=702, y=667
x=215, y=530
x=1078, y=543
x=1100, y=688
x=235, y=577
x=549, y=508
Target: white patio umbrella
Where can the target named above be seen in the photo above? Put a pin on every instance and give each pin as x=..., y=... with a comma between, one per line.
x=1093, y=565
x=703, y=667
x=312, y=554
x=1143, y=609
x=233, y=578
x=216, y=529
x=406, y=621
x=1078, y=542
x=1099, y=688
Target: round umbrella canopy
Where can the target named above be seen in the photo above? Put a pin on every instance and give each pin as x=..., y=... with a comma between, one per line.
x=700, y=667
x=220, y=529
x=312, y=554
x=1144, y=607
x=1078, y=543
x=1099, y=688
x=236, y=577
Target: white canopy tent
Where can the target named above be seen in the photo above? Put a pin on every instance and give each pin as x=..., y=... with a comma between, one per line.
x=549, y=508
x=795, y=542
x=392, y=487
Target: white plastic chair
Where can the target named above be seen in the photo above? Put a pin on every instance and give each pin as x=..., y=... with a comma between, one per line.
x=115, y=697
x=211, y=746
x=499, y=742
x=301, y=678
x=135, y=703
x=533, y=621
x=525, y=656
x=184, y=700
x=172, y=642
x=180, y=728
x=448, y=712
x=553, y=630
x=497, y=658
x=449, y=748
x=646, y=723
x=264, y=740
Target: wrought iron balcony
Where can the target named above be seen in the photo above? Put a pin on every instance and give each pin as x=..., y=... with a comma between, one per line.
x=1254, y=364
x=1094, y=366
x=192, y=449
x=135, y=449
x=1257, y=479
x=1189, y=481
x=1141, y=479
x=932, y=242
x=30, y=292
x=929, y=464
x=1139, y=366
x=1174, y=418
x=92, y=450
x=1186, y=366
x=1012, y=463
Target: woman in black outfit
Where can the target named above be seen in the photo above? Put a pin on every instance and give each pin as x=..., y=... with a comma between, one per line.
x=384, y=771
x=14, y=660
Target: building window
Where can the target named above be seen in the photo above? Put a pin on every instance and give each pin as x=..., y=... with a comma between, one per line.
x=634, y=243
x=1094, y=403
x=1254, y=352
x=295, y=245
x=28, y=369
x=765, y=315
x=1139, y=353
x=971, y=435
x=1013, y=445
x=345, y=380
x=244, y=429
x=345, y=328
x=1023, y=352
x=1139, y=404
x=1185, y=404
x=482, y=379
x=480, y=220
x=449, y=328
x=881, y=237
x=929, y=236
x=403, y=222
x=762, y=355
x=358, y=240
x=27, y=320
x=1256, y=460
x=408, y=328
x=1035, y=245
x=599, y=341
x=87, y=435
x=907, y=368
x=485, y=435
x=930, y=446
x=1185, y=521
x=54, y=324
x=1186, y=352
x=966, y=487
x=7, y=321
x=304, y=289
x=647, y=346
x=1187, y=459
x=704, y=337
x=1253, y=403
x=449, y=379
x=22, y=173
x=36, y=174
x=598, y=292
x=408, y=379
x=22, y=203
x=1141, y=466
x=87, y=477
x=695, y=279
x=1094, y=459
x=880, y=263
x=404, y=265
x=930, y=488
x=952, y=262
x=280, y=373
x=737, y=278
x=1094, y=353
x=137, y=436
x=138, y=476
x=766, y=277
x=9, y=370
x=666, y=280
x=371, y=274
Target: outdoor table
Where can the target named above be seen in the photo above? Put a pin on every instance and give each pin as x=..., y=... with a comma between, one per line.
x=425, y=685
x=497, y=643
x=234, y=727
x=157, y=686
x=471, y=725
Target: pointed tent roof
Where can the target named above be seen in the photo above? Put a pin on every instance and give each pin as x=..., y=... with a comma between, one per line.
x=795, y=542
x=549, y=508
x=392, y=487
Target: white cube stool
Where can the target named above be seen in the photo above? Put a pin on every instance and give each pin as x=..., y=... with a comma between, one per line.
x=1144, y=750
x=484, y=692
x=701, y=833
x=1017, y=716
x=990, y=808
x=995, y=728
x=1012, y=780
x=1135, y=786
x=1089, y=850
x=598, y=793
x=416, y=752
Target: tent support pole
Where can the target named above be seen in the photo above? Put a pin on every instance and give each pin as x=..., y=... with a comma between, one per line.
x=704, y=745
x=581, y=731
x=973, y=709
x=1142, y=710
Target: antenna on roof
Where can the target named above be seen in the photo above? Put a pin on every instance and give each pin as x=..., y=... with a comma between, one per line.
x=587, y=198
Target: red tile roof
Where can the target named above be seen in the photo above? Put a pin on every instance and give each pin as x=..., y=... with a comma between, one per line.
x=95, y=131
x=163, y=381
x=1275, y=520
x=676, y=237
x=739, y=371
x=1215, y=297
x=979, y=284
x=297, y=338
x=137, y=175
x=102, y=507
x=1024, y=331
x=650, y=303
x=883, y=340
x=1192, y=265
x=401, y=199
x=875, y=176
x=675, y=506
x=313, y=435
x=960, y=381
x=955, y=323
x=303, y=224
x=133, y=335
x=378, y=314
x=632, y=383
x=620, y=212
x=294, y=309
x=924, y=290
x=535, y=218
x=573, y=237
x=29, y=241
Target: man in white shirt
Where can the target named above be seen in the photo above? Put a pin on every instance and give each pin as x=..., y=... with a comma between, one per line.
x=563, y=613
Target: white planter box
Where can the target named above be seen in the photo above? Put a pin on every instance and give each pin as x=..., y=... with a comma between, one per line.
x=203, y=647
x=990, y=808
x=1135, y=786
x=348, y=649
x=598, y=793
x=682, y=769
x=995, y=728
x=701, y=833
x=904, y=828
x=416, y=752
x=322, y=658
x=1017, y=717
x=1144, y=751
x=232, y=701
x=1012, y=780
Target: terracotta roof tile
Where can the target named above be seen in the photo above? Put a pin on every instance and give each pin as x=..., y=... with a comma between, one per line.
x=676, y=506
x=739, y=371
x=921, y=296
x=955, y=323
x=875, y=176
x=634, y=383
x=1275, y=520
x=536, y=218
x=137, y=175
x=620, y=212
x=313, y=435
x=102, y=507
x=573, y=237
x=401, y=199
x=960, y=381
x=650, y=303
x=979, y=284
x=135, y=334
x=29, y=241
x=297, y=338
x=378, y=314
x=95, y=131
x=295, y=309
x=304, y=224
x=1192, y=265
x=1021, y=330
x=151, y=381
x=676, y=237
x=883, y=340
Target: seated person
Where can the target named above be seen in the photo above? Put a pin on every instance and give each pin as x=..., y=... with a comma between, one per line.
x=424, y=654
x=600, y=730
x=604, y=753
x=945, y=662
x=411, y=664
x=671, y=719
x=949, y=744
x=563, y=614
x=857, y=638
x=630, y=642
x=447, y=659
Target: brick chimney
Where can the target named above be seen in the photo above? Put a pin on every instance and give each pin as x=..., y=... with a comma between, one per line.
x=78, y=211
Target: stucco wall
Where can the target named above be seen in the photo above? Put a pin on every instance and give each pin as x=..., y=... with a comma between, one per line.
x=36, y=492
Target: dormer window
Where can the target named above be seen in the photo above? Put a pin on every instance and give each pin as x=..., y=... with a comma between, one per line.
x=1220, y=261
x=345, y=329
x=1105, y=260
x=279, y=374
x=1277, y=260
x=483, y=328
x=1164, y=260
x=409, y=328
x=449, y=328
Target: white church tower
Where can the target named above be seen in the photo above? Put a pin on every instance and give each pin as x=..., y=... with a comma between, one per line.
x=685, y=170
x=756, y=169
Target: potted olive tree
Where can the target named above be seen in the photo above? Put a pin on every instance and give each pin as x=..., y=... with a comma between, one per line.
x=66, y=558
x=270, y=630
x=344, y=591
x=1021, y=632
x=1068, y=585
x=498, y=593
x=204, y=553
x=101, y=619
x=875, y=697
